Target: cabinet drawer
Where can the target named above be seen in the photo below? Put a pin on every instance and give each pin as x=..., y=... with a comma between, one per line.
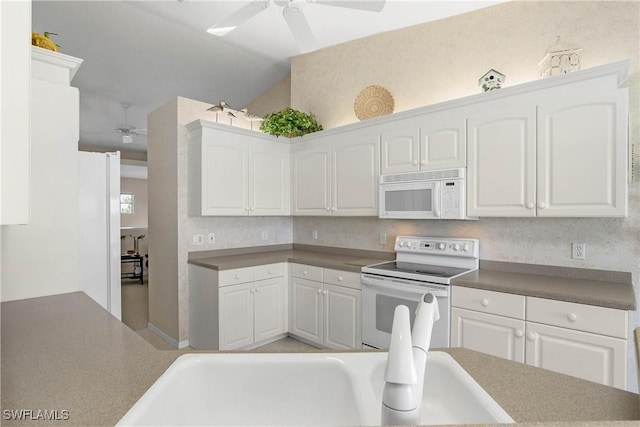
x=581, y=317
x=261, y=272
x=342, y=278
x=235, y=276
x=309, y=272
x=499, y=303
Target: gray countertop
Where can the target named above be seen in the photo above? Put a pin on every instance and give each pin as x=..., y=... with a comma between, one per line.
x=65, y=352
x=595, y=287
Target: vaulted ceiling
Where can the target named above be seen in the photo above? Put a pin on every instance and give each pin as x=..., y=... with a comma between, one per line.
x=147, y=52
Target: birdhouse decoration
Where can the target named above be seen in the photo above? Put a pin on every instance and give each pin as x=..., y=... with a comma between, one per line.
x=491, y=80
x=562, y=58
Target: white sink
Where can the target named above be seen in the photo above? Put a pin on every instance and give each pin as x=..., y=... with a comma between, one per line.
x=303, y=389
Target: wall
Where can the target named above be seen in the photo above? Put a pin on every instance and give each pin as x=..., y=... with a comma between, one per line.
x=170, y=226
x=277, y=98
x=443, y=60
x=41, y=258
x=140, y=199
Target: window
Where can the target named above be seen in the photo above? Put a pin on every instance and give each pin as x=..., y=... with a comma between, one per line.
x=126, y=203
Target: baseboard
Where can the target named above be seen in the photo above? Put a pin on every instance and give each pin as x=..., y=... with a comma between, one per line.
x=159, y=332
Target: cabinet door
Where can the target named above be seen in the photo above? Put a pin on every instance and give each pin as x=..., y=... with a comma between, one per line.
x=269, y=308
x=400, y=150
x=306, y=309
x=311, y=180
x=501, y=162
x=269, y=179
x=582, y=154
x=487, y=333
x=443, y=143
x=225, y=175
x=342, y=325
x=355, y=172
x=584, y=355
x=236, y=316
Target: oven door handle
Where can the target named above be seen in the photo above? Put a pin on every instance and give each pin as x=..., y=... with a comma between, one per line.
x=437, y=291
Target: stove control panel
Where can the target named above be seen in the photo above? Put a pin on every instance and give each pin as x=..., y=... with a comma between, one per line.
x=438, y=246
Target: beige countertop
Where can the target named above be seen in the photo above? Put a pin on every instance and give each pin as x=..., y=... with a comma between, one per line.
x=595, y=287
x=65, y=352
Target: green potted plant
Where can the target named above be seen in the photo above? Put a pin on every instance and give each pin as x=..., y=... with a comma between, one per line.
x=289, y=123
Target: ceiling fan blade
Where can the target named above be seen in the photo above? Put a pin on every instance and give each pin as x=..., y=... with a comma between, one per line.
x=246, y=12
x=299, y=27
x=137, y=132
x=370, y=5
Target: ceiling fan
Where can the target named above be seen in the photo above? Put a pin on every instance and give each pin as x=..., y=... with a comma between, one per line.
x=126, y=130
x=293, y=15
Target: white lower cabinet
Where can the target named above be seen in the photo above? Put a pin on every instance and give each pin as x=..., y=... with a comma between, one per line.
x=238, y=308
x=584, y=341
x=487, y=333
x=326, y=307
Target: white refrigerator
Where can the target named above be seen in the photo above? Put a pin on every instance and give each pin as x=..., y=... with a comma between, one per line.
x=99, y=228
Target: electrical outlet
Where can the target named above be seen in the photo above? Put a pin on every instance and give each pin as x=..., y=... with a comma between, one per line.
x=265, y=235
x=383, y=238
x=198, y=239
x=579, y=250
x=212, y=238
x=315, y=234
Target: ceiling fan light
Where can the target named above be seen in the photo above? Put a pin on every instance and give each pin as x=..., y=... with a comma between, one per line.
x=127, y=139
x=222, y=31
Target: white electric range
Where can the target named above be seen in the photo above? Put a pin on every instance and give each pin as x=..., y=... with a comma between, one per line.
x=423, y=264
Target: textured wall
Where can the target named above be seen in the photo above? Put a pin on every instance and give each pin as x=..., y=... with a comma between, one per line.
x=443, y=60
x=277, y=98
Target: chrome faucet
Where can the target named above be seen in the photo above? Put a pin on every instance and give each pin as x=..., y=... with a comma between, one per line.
x=404, y=375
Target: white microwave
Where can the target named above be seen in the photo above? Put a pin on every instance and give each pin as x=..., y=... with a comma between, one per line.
x=423, y=195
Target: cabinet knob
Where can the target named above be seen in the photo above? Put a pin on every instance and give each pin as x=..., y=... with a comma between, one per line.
x=328, y=208
x=251, y=208
x=530, y=205
x=269, y=271
x=324, y=292
x=542, y=205
x=250, y=291
x=531, y=336
x=237, y=276
x=257, y=290
x=484, y=302
x=319, y=291
x=415, y=162
x=246, y=208
x=304, y=273
x=519, y=333
x=571, y=317
x=340, y=279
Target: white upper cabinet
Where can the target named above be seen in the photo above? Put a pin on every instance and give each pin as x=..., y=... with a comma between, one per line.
x=235, y=172
x=400, y=150
x=311, y=165
x=337, y=175
x=582, y=153
x=429, y=142
x=557, y=152
x=501, y=163
x=355, y=171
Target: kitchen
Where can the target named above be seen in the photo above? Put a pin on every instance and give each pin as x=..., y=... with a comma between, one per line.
x=610, y=242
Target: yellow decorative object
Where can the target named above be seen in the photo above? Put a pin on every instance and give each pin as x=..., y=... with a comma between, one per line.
x=43, y=41
x=373, y=101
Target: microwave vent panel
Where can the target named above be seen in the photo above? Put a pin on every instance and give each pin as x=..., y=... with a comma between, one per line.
x=423, y=176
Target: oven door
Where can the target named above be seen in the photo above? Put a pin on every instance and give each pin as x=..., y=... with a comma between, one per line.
x=410, y=200
x=381, y=296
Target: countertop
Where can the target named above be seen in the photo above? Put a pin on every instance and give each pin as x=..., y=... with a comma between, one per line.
x=603, y=288
x=594, y=287
x=65, y=352
x=321, y=256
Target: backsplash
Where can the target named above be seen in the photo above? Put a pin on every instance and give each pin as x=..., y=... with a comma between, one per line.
x=611, y=243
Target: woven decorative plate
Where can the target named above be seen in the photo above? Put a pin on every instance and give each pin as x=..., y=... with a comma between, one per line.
x=373, y=101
